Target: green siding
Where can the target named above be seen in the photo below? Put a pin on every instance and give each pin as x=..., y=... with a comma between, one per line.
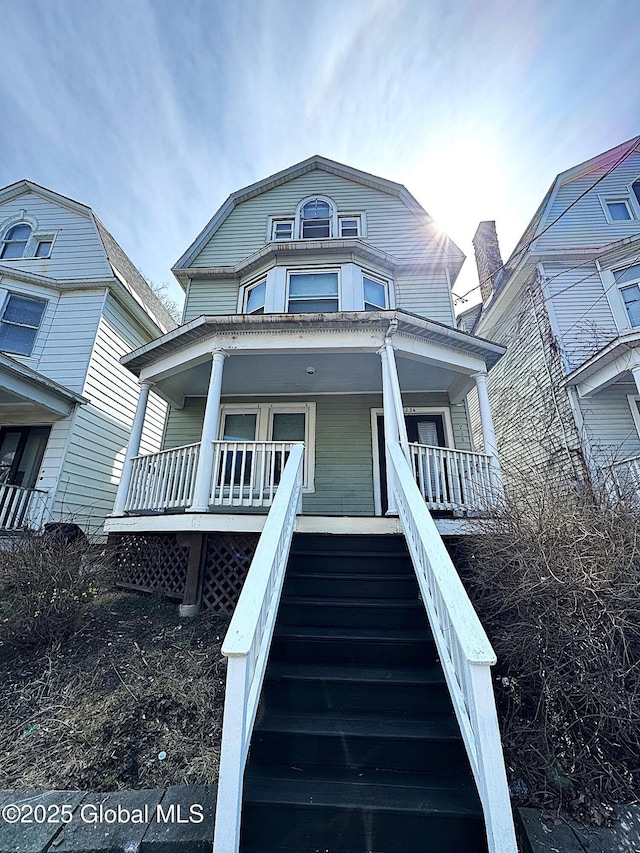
x=211, y=297
x=343, y=445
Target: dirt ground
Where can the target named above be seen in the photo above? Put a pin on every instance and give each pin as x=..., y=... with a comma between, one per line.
x=132, y=700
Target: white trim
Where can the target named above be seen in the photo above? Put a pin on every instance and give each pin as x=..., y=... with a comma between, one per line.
x=313, y=271
x=7, y=294
x=614, y=296
x=272, y=221
x=264, y=420
x=633, y=400
x=447, y=424
x=333, y=217
x=621, y=198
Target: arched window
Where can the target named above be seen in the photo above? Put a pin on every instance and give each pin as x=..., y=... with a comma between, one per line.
x=316, y=219
x=15, y=241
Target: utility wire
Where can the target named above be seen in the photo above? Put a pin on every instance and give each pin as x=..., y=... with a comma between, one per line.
x=520, y=252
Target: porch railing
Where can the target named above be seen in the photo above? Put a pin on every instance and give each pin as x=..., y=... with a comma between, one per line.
x=163, y=480
x=20, y=508
x=247, y=645
x=627, y=477
x=464, y=650
x=247, y=473
x=453, y=479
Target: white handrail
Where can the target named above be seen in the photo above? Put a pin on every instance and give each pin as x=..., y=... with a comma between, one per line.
x=20, y=507
x=163, y=480
x=453, y=479
x=464, y=650
x=247, y=645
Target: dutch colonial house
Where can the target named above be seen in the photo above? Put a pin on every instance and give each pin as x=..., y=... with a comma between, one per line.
x=71, y=304
x=318, y=386
x=566, y=304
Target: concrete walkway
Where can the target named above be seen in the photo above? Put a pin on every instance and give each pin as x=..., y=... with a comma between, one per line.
x=176, y=820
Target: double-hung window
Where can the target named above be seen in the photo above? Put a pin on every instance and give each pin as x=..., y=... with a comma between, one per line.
x=375, y=293
x=315, y=220
x=628, y=280
x=313, y=292
x=14, y=244
x=349, y=226
x=254, y=298
x=21, y=319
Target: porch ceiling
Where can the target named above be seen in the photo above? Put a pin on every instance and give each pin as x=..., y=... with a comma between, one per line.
x=338, y=373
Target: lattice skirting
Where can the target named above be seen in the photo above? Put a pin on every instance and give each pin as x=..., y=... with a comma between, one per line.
x=226, y=563
x=157, y=562
x=152, y=562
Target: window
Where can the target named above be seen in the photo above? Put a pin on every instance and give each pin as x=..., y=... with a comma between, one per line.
x=15, y=241
x=43, y=248
x=313, y=292
x=618, y=210
x=254, y=298
x=20, y=322
x=628, y=280
x=635, y=186
x=315, y=219
x=349, y=226
x=375, y=293
x=288, y=422
x=282, y=229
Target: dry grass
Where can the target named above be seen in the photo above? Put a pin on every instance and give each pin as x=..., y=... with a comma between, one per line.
x=95, y=709
x=557, y=585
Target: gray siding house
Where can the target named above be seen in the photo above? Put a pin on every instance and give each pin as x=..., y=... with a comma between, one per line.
x=71, y=305
x=567, y=307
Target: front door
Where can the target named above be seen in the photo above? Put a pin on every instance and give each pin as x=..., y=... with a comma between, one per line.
x=421, y=429
x=21, y=452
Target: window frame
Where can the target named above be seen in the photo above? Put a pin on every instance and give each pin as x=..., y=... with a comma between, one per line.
x=344, y=217
x=333, y=217
x=312, y=271
x=622, y=198
x=264, y=429
x=36, y=329
x=634, y=404
x=613, y=292
x=244, y=297
x=378, y=280
x=274, y=221
x=7, y=242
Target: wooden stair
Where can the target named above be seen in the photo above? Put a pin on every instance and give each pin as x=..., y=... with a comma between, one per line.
x=356, y=748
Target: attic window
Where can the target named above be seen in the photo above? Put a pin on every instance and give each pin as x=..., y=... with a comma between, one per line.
x=618, y=210
x=282, y=229
x=349, y=226
x=15, y=241
x=315, y=219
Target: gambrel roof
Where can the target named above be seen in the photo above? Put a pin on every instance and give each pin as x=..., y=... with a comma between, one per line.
x=124, y=271
x=316, y=162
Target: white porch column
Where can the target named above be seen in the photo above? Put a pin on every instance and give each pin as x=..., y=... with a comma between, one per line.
x=636, y=375
x=488, y=430
x=202, y=486
x=133, y=448
x=390, y=431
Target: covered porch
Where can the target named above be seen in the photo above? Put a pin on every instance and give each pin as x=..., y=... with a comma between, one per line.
x=30, y=404
x=258, y=385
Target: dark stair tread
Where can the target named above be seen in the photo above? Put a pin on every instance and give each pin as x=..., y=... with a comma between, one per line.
x=358, y=577
x=373, y=555
x=357, y=674
x=367, y=635
x=379, y=725
x=377, y=603
x=393, y=792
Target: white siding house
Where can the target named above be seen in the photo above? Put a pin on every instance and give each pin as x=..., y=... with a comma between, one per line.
x=71, y=305
x=567, y=307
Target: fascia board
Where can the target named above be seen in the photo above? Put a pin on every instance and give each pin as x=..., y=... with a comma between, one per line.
x=19, y=188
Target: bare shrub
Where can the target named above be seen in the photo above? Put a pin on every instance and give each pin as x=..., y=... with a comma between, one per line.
x=46, y=583
x=556, y=583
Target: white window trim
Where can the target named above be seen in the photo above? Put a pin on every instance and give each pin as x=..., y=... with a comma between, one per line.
x=264, y=423
x=271, y=227
x=35, y=237
x=633, y=400
x=614, y=297
x=380, y=280
x=333, y=218
x=243, y=294
x=314, y=270
x=4, y=301
x=359, y=217
x=622, y=198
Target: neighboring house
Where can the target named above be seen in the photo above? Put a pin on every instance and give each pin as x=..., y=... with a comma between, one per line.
x=319, y=314
x=71, y=304
x=566, y=305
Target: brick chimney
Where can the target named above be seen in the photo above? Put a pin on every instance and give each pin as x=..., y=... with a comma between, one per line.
x=488, y=258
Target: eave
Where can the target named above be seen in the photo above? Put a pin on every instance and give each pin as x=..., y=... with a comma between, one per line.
x=620, y=355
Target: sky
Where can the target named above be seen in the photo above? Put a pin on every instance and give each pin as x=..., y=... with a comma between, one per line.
x=153, y=111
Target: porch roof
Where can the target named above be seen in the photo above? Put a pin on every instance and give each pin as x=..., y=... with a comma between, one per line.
x=22, y=386
x=620, y=355
x=208, y=326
